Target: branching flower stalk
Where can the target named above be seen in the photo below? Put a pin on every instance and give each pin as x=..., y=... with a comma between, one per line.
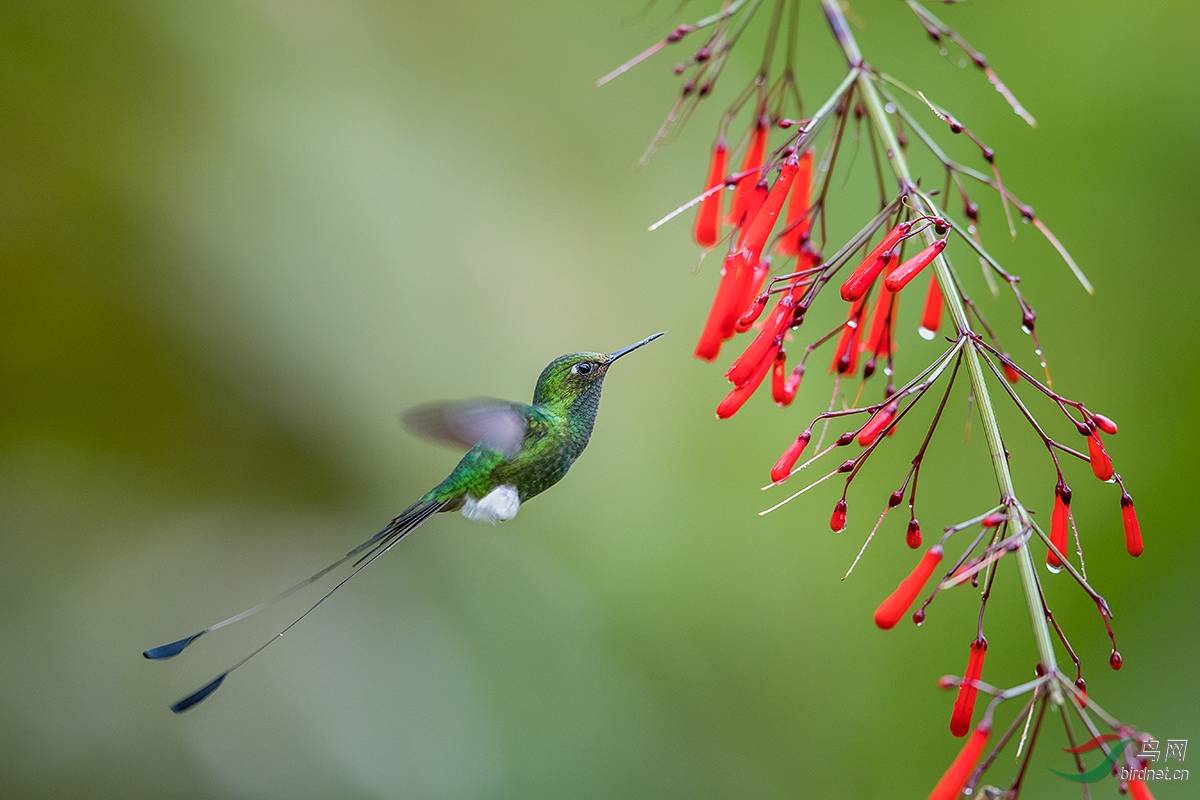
x=786, y=218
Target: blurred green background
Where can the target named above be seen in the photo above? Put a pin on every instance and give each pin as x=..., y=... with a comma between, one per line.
x=237, y=237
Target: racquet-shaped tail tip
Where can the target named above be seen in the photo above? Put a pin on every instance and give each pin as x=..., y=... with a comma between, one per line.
x=198, y=695
x=171, y=650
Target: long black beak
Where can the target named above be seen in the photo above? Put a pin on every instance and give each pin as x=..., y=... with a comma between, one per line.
x=614, y=356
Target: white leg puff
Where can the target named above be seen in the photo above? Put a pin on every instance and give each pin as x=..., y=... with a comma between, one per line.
x=499, y=505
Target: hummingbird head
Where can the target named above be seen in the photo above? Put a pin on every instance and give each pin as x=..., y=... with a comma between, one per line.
x=578, y=377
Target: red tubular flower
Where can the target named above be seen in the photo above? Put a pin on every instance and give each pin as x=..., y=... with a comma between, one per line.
x=894, y=607
x=912, y=537
x=1101, y=464
x=783, y=467
x=1133, y=531
x=747, y=320
x=881, y=340
x=764, y=344
x=725, y=305
x=738, y=397
x=955, y=778
x=753, y=161
x=845, y=358
x=1137, y=786
x=797, y=223
x=864, y=274
x=901, y=275
x=779, y=384
x=931, y=317
x=708, y=216
x=1059, y=520
x=1010, y=372
x=875, y=425
x=837, y=521
x=964, y=705
x=758, y=227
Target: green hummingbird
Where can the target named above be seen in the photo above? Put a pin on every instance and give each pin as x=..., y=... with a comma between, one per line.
x=515, y=452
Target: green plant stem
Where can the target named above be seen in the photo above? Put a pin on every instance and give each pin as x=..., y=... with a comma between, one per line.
x=958, y=313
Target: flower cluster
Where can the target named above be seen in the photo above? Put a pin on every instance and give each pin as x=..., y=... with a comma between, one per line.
x=768, y=219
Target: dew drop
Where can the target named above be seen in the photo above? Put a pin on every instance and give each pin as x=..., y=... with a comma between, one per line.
x=926, y=334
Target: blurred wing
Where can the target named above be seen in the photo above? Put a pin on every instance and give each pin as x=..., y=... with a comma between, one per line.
x=496, y=424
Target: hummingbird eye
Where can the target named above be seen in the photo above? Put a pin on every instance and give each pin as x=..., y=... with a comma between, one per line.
x=582, y=368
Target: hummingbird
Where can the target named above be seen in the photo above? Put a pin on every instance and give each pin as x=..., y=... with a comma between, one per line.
x=515, y=452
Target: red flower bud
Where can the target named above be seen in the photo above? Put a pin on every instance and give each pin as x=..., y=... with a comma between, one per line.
x=912, y=536
x=964, y=706
x=797, y=223
x=877, y=423
x=893, y=608
x=1133, y=531
x=1105, y=424
x=837, y=522
x=955, y=778
x=901, y=275
x=864, y=274
x=1059, y=520
x=1081, y=685
x=1114, y=660
x=931, y=317
x=708, y=216
x=992, y=521
x=738, y=397
x=1101, y=464
x=745, y=185
x=783, y=467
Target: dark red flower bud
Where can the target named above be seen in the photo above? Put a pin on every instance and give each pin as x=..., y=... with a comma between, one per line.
x=964, y=706
x=837, y=522
x=992, y=520
x=901, y=275
x=1105, y=424
x=1114, y=660
x=708, y=216
x=898, y=602
x=955, y=778
x=1101, y=464
x=1081, y=685
x=896, y=498
x=1133, y=531
x=783, y=467
x=912, y=536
